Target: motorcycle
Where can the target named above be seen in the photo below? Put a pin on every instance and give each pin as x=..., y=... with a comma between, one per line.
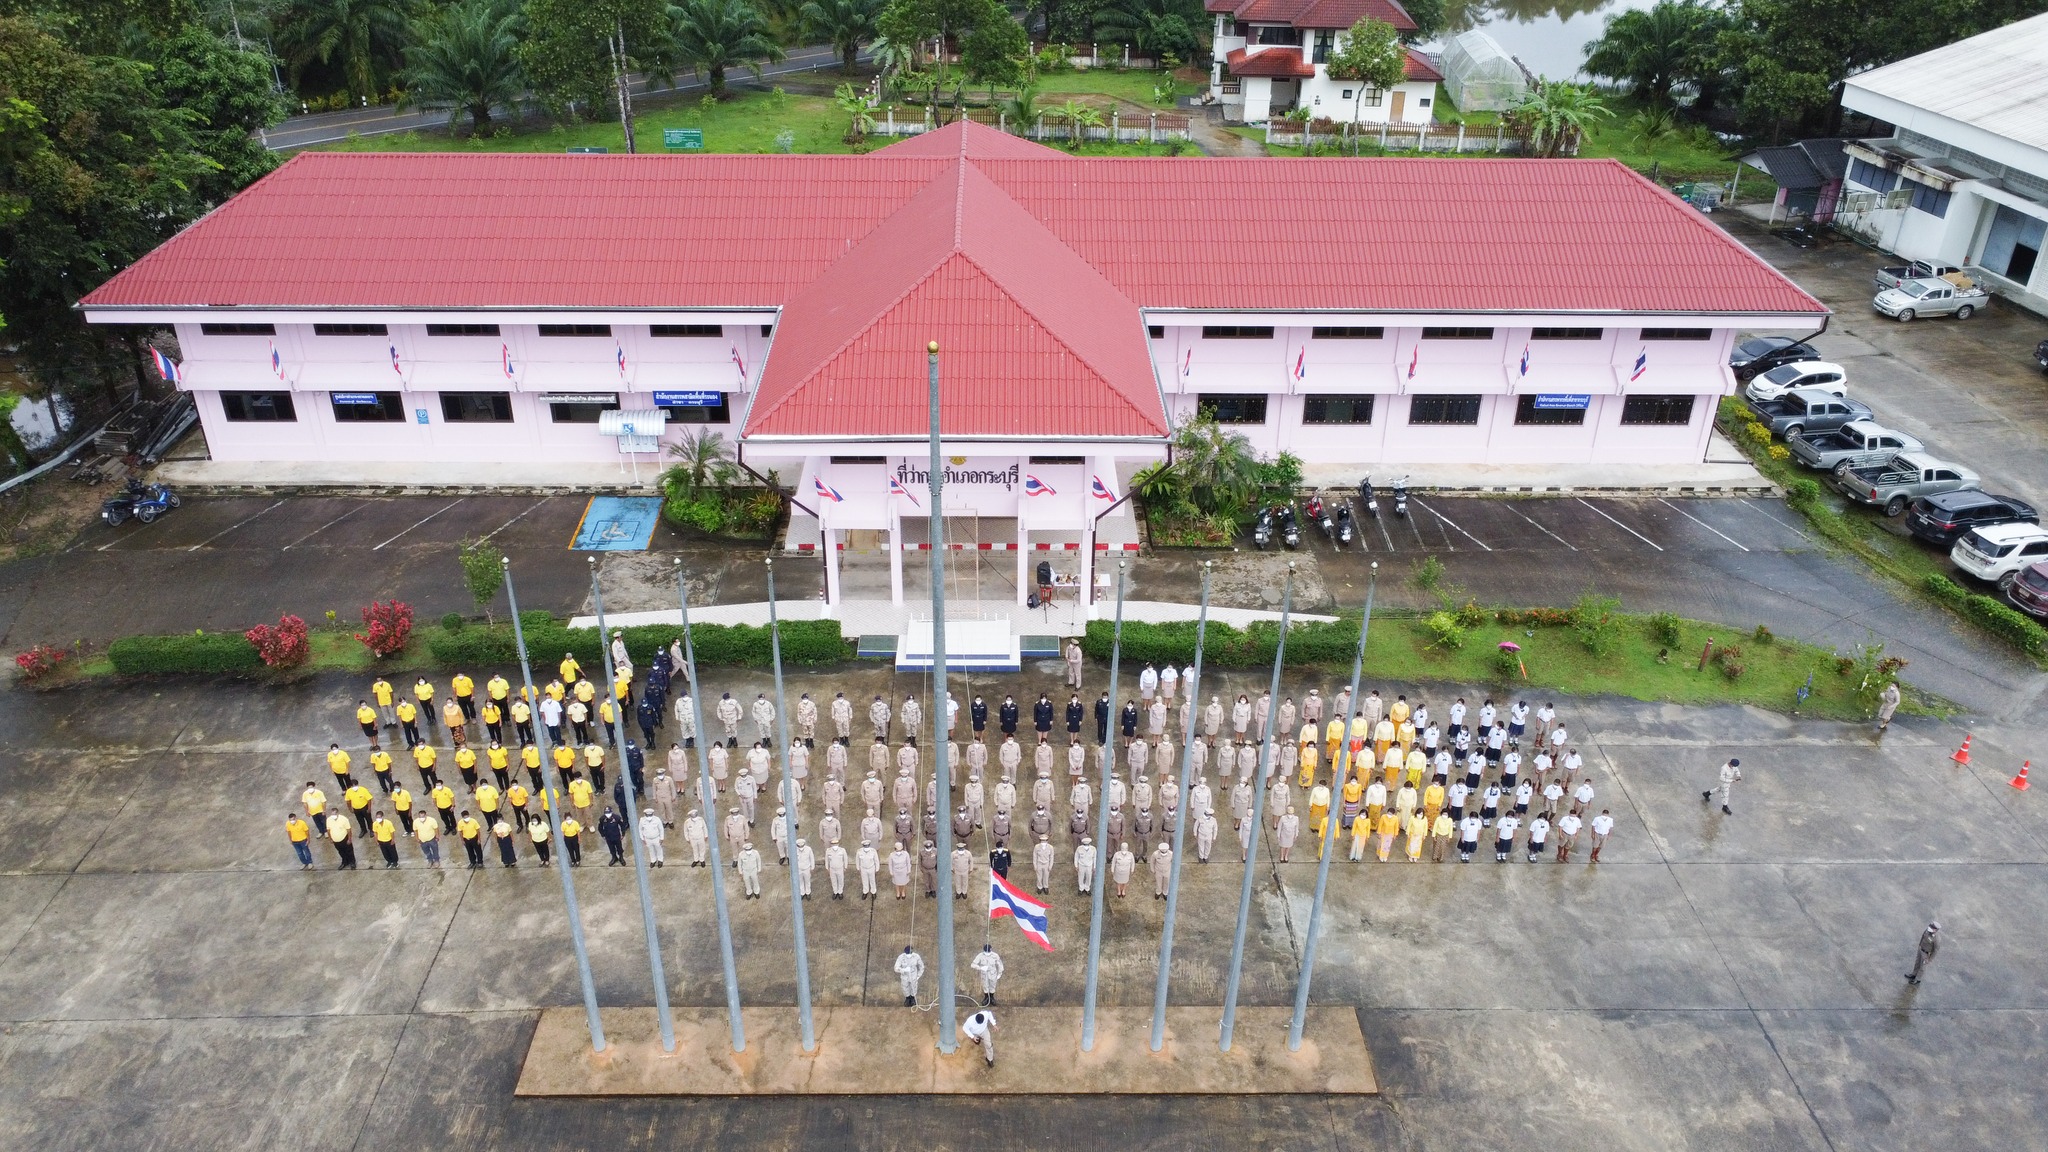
x=1320, y=514
x=144, y=502
x=1290, y=530
x=1343, y=527
x=1262, y=529
x=1401, y=497
x=1368, y=498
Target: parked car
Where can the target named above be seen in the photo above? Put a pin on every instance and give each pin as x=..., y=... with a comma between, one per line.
x=1807, y=410
x=2041, y=355
x=1804, y=374
x=1893, y=484
x=2028, y=590
x=1918, y=270
x=1929, y=298
x=1856, y=443
x=1940, y=518
x=1996, y=553
x=1760, y=354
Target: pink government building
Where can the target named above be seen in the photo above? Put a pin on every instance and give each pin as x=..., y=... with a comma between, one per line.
x=1366, y=315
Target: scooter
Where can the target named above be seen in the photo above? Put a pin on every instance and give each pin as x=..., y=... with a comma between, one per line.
x=1401, y=497
x=1343, y=526
x=1290, y=530
x=1367, y=498
x=144, y=502
x=1320, y=514
x=1262, y=529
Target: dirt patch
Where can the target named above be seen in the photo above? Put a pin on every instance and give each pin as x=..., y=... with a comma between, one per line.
x=646, y=581
x=42, y=517
x=1242, y=579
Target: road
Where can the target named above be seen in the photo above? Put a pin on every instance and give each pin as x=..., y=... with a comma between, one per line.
x=330, y=127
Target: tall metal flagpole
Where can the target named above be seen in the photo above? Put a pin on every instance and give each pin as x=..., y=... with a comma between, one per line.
x=709, y=792
x=604, y=647
x=1342, y=770
x=553, y=784
x=1180, y=828
x=943, y=771
x=788, y=794
x=1102, y=853
x=1251, y=848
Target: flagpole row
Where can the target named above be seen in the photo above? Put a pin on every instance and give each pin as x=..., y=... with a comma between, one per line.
x=1180, y=828
x=1251, y=848
x=1102, y=853
x=788, y=794
x=709, y=794
x=942, y=770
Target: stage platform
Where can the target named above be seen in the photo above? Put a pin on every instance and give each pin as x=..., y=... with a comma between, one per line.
x=893, y=1051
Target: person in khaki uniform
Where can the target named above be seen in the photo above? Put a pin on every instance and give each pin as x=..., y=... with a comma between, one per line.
x=1121, y=866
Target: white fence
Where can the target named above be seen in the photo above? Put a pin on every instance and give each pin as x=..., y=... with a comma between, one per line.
x=1156, y=128
x=1404, y=138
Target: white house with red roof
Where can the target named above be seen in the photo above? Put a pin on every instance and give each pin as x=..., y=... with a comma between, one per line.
x=1272, y=56
x=394, y=311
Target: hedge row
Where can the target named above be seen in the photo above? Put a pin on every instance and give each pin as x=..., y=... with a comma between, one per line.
x=744, y=645
x=201, y=652
x=2016, y=628
x=1316, y=642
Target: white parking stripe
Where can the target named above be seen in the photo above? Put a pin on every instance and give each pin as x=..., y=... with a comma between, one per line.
x=1509, y=505
x=1752, y=506
x=323, y=527
x=1452, y=523
x=1380, y=522
x=424, y=519
x=512, y=521
x=1623, y=527
x=224, y=531
x=1701, y=523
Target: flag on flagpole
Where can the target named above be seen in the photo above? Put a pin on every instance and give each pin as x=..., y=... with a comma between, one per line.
x=1414, y=359
x=826, y=491
x=1642, y=365
x=1005, y=899
x=896, y=488
x=1100, y=489
x=276, y=363
x=1033, y=486
x=1187, y=367
x=739, y=364
x=1301, y=364
x=1525, y=359
x=395, y=365
x=505, y=351
x=621, y=350
x=166, y=368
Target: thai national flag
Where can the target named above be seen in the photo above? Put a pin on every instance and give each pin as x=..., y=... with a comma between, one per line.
x=1187, y=367
x=1413, y=360
x=1642, y=365
x=276, y=364
x=739, y=363
x=1525, y=359
x=505, y=350
x=1100, y=489
x=1033, y=486
x=166, y=367
x=826, y=491
x=621, y=350
x=1004, y=899
x=395, y=366
x=1301, y=364
x=896, y=488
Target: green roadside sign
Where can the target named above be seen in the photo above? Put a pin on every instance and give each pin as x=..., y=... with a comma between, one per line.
x=682, y=137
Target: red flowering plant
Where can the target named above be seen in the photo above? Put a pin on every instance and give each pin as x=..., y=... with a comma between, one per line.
x=283, y=644
x=387, y=625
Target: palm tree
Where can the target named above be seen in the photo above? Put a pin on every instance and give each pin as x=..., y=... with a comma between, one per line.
x=363, y=34
x=466, y=60
x=847, y=23
x=891, y=58
x=1078, y=116
x=1557, y=115
x=1218, y=465
x=1021, y=108
x=714, y=35
x=706, y=459
x=1655, y=48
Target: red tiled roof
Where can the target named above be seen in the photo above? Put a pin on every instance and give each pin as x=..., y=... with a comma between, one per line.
x=1314, y=13
x=1418, y=67
x=1268, y=62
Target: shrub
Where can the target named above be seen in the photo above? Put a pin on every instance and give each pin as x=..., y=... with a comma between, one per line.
x=2012, y=626
x=1507, y=663
x=742, y=645
x=703, y=512
x=1429, y=575
x=1444, y=630
x=1665, y=628
x=1844, y=665
x=1778, y=452
x=201, y=652
x=281, y=645
x=39, y=661
x=452, y=621
x=1803, y=495
x=1764, y=635
x=1471, y=615
x=1593, y=621
x=1732, y=669
x=387, y=625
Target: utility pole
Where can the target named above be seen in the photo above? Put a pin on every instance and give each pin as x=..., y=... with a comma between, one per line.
x=935, y=480
x=1251, y=849
x=709, y=792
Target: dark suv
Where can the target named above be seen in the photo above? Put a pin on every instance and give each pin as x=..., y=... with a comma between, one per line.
x=2029, y=590
x=1943, y=517
x=1760, y=354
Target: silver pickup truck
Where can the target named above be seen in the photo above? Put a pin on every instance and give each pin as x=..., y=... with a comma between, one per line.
x=1857, y=443
x=1918, y=270
x=1806, y=410
x=1894, y=483
x=1929, y=298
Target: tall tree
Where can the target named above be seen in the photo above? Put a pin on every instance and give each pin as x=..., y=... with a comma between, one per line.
x=1152, y=26
x=713, y=36
x=579, y=53
x=1556, y=116
x=995, y=52
x=1656, y=48
x=228, y=91
x=1370, y=56
x=1430, y=18
x=360, y=37
x=920, y=22
x=847, y=23
x=466, y=60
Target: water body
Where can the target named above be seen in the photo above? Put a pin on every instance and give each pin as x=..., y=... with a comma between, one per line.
x=1549, y=36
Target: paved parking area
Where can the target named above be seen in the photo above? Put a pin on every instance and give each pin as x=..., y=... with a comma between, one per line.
x=169, y=978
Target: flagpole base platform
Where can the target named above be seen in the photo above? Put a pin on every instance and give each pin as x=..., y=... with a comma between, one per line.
x=894, y=1052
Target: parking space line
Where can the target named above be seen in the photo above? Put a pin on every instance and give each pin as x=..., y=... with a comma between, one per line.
x=1540, y=528
x=1620, y=525
x=1702, y=523
x=323, y=527
x=423, y=520
x=1380, y=522
x=228, y=529
x=1453, y=524
x=512, y=521
x=1794, y=529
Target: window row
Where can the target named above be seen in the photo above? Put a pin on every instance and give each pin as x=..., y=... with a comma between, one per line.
x=456, y=408
x=1265, y=332
x=708, y=331
x=1449, y=409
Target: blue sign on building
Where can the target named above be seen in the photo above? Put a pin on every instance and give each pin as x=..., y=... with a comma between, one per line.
x=1562, y=401
x=420, y=415
x=688, y=399
x=355, y=397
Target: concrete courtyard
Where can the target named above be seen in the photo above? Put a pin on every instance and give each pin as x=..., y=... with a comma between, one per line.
x=170, y=978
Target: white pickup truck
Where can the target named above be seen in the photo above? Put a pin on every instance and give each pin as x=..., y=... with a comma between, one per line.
x=1916, y=298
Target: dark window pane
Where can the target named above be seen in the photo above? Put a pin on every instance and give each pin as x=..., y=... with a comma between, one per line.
x=258, y=407
x=367, y=407
x=719, y=413
x=1347, y=333
x=860, y=459
x=1457, y=333
x=1058, y=460
x=462, y=329
x=1526, y=412
x=582, y=412
x=1565, y=333
x=685, y=330
x=575, y=329
x=1678, y=333
x=238, y=329
x=348, y=330
x=1235, y=332
x=1229, y=408
x=1657, y=410
x=1448, y=409
x=476, y=407
x=1156, y=331
x=1337, y=410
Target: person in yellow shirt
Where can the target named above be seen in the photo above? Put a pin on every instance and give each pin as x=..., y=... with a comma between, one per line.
x=1404, y=735
x=401, y=803
x=409, y=720
x=578, y=714
x=605, y=715
x=297, y=831
x=529, y=758
x=380, y=763
x=444, y=804
x=381, y=692
x=465, y=762
x=571, y=670
x=557, y=691
x=565, y=761
x=427, y=831
x=423, y=692
x=472, y=834
x=572, y=839
x=1333, y=738
x=366, y=718
x=1432, y=800
x=1390, y=826
x=487, y=801
x=383, y=830
x=1418, y=830
x=593, y=762
x=316, y=804
x=1354, y=797
x=426, y=757
x=1393, y=765
x=338, y=761
x=537, y=831
x=1405, y=801
x=522, y=722
x=498, y=688
x=465, y=694
x=1309, y=765
x=1361, y=831
x=1417, y=765
x=456, y=723
x=1382, y=736
x=494, y=720
x=1440, y=830
x=587, y=693
x=358, y=798
x=1375, y=802
x=622, y=687
x=581, y=796
x=500, y=759
x=515, y=799
x=1318, y=811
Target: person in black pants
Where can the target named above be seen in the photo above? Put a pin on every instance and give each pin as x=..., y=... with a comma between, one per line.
x=1074, y=714
x=1127, y=720
x=1041, y=717
x=1006, y=716
x=977, y=712
x=612, y=827
x=1102, y=719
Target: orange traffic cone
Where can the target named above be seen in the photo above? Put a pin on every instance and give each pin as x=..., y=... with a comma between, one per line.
x=2020, y=781
x=1962, y=755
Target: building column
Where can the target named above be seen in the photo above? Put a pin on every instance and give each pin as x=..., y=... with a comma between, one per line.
x=831, y=546
x=1023, y=562
x=1088, y=564
x=896, y=560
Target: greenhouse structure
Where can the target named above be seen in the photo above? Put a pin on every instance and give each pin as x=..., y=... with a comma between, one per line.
x=1480, y=76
